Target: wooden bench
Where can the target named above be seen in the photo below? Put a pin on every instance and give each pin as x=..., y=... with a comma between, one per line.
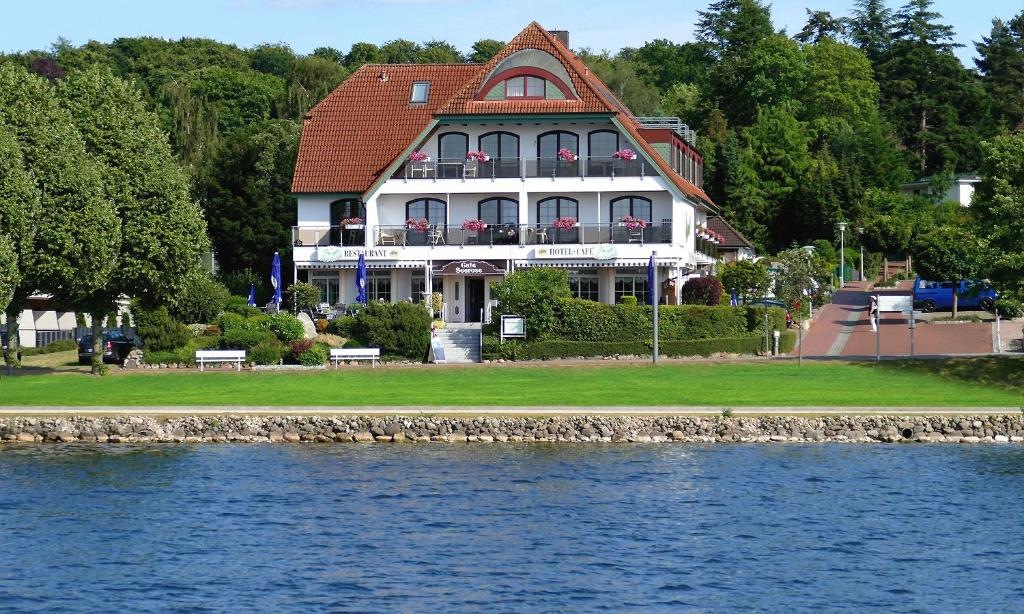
x=207, y=356
x=340, y=354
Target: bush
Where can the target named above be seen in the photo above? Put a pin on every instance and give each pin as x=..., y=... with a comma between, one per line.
x=238, y=283
x=267, y=352
x=331, y=341
x=342, y=326
x=200, y=299
x=158, y=330
x=297, y=348
x=1008, y=308
x=185, y=355
x=314, y=356
x=531, y=293
x=244, y=337
x=285, y=327
x=701, y=291
x=240, y=305
x=303, y=296
x=60, y=345
x=398, y=329
x=555, y=349
x=629, y=301
x=321, y=325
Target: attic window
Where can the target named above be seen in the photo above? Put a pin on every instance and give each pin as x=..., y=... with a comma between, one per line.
x=420, y=92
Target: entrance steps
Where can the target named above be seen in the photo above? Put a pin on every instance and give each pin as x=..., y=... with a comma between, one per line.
x=461, y=342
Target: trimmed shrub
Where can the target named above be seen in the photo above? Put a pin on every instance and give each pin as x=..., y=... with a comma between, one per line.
x=342, y=326
x=555, y=349
x=60, y=345
x=185, y=355
x=158, y=330
x=298, y=347
x=303, y=296
x=1008, y=308
x=321, y=325
x=200, y=299
x=314, y=356
x=701, y=291
x=547, y=350
x=240, y=305
x=629, y=301
x=229, y=320
x=398, y=329
x=353, y=343
x=244, y=337
x=531, y=293
x=755, y=318
x=267, y=352
x=285, y=327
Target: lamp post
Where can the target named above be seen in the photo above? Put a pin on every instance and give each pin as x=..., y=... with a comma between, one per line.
x=842, y=254
x=809, y=249
x=860, y=240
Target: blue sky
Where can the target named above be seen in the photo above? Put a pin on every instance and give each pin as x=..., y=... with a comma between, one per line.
x=306, y=24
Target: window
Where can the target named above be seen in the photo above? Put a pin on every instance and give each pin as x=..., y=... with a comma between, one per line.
x=515, y=87
x=453, y=146
x=584, y=284
x=420, y=92
x=550, y=209
x=495, y=211
x=603, y=143
x=525, y=87
x=419, y=283
x=503, y=150
x=632, y=282
x=330, y=288
x=635, y=206
x=430, y=208
x=378, y=286
x=549, y=143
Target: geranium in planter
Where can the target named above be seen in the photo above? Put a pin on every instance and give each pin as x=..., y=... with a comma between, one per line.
x=419, y=156
x=624, y=154
x=566, y=155
x=420, y=225
x=634, y=223
x=479, y=156
x=476, y=225
x=351, y=223
x=565, y=223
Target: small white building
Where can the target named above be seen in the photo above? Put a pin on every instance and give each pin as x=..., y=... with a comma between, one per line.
x=959, y=191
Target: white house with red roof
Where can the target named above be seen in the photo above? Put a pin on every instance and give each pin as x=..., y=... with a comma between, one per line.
x=448, y=177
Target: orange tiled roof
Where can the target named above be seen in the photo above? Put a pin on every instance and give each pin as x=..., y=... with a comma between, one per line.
x=731, y=237
x=351, y=137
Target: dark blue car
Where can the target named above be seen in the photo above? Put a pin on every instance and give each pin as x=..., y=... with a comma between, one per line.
x=932, y=295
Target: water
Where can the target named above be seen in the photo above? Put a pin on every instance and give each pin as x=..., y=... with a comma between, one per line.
x=502, y=528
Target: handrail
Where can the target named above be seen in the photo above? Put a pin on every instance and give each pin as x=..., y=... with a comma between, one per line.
x=438, y=235
x=524, y=168
x=481, y=334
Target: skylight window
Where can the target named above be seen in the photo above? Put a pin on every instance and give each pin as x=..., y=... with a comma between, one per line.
x=420, y=92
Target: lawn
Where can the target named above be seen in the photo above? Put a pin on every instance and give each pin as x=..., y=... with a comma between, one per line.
x=834, y=384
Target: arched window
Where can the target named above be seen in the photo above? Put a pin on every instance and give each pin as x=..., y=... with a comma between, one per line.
x=602, y=143
x=526, y=83
x=451, y=154
x=551, y=208
x=548, y=146
x=635, y=206
x=430, y=208
x=503, y=150
x=498, y=211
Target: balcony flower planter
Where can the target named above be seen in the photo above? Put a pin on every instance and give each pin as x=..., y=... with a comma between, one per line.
x=476, y=225
x=419, y=156
x=634, y=223
x=624, y=154
x=352, y=223
x=566, y=223
x=567, y=155
x=479, y=156
x=420, y=225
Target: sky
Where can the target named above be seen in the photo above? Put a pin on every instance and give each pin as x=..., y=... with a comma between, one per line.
x=308, y=24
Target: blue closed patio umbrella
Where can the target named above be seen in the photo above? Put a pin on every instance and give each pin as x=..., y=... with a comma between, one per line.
x=252, y=295
x=735, y=298
x=361, y=280
x=275, y=278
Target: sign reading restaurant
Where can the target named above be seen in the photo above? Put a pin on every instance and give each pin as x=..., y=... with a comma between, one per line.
x=333, y=253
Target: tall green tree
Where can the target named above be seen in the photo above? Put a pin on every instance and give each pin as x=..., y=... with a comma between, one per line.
x=363, y=53
x=733, y=27
x=773, y=72
x=485, y=49
x=819, y=26
x=998, y=206
x=952, y=253
x=1001, y=64
x=870, y=28
x=439, y=52
x=77, y=235
x=313, y=78
x=622, y=78
x=19, y=216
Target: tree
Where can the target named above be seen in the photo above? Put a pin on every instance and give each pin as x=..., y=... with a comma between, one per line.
x=821, y=25
x=19, y=215
x=330, y=54
x=870, y=28
x=439, y=52
x=1001, y=64
x=748, y=278
x=77, y=236
x=949, y=253
x=277, y=60
x=532, y=293
x=485, y=49
x=621, y=77
x=800, y=276
x=998, y=206
x=773, y=72
x=162, y=229
x=399, y=51
x=245, y=190
x=665, y=64
x=733, y=27
x=362, y=53
x=313, y=78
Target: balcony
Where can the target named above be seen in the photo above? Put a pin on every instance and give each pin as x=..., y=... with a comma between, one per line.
x=522, y=234
x=524, y=168
x=319, y=236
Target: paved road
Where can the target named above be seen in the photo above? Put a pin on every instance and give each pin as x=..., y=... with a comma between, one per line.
x=835, y=321
x=494, y=411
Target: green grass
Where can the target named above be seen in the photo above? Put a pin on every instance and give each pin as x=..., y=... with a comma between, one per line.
x=928, y=383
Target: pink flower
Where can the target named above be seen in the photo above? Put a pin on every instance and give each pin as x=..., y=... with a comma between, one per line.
x=567, y=155
x=634, y=223
x=565, y=223
x=479, y=156
x=624, y=154
x=418, y=156
x=473, y=225
x=421, y=224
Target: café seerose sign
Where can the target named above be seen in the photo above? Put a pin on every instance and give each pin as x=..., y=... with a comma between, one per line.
x=468, y=267
x=603, y=251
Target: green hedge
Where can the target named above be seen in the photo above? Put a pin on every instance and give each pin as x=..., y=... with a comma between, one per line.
x=60, y=345
x=398, y=329
x=552, y=349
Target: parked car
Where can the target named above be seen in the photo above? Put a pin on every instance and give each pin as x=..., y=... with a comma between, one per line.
x=116, y=347
x=971, y=294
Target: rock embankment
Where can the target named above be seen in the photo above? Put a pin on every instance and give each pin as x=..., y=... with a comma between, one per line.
x=581, y=428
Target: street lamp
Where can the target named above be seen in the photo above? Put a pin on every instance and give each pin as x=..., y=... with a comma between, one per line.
x=842, y=254
x=860, y=240
x=809, y=250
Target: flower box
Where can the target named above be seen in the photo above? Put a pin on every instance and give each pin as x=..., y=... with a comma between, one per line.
x=420, y=225
x=479, y=156
x=352, y=223
x=419, y=156
x=566, y=223
x=624, y=154
x=476, y=225
x=566, y=155
x=634, y=223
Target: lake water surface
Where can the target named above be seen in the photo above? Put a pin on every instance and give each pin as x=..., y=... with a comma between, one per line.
x=512, y=528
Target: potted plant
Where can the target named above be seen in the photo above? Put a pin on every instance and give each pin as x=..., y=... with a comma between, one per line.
x=479, y=156
x=566, y=155
x=476, y=225
x=566, y=223
x=624, y=154
x=419, y=156
x=419, y=225
x=352, y=223
x=634, y=223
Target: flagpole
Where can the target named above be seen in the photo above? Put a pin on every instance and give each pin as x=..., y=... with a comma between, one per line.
x=656, y=300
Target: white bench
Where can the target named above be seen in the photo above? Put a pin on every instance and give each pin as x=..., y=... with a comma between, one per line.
x=206, y=356
x=340, y=354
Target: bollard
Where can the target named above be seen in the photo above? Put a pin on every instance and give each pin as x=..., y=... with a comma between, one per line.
x=775, y=343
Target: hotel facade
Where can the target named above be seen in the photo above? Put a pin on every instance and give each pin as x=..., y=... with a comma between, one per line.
x=448, y=177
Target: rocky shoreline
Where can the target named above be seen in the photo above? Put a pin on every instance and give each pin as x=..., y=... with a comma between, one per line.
x=572, y=429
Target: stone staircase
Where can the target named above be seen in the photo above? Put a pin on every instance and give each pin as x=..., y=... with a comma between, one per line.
x=461, y=342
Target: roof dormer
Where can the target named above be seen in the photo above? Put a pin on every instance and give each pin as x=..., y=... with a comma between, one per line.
x=530, y=74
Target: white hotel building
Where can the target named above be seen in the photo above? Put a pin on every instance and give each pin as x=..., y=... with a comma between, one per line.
x=383, y=172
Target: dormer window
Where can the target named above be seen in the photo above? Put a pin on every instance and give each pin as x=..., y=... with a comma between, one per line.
x=525, y=83
x=420, y=92
x=525, y=87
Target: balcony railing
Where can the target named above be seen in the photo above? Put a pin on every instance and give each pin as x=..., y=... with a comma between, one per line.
x=523, y=168
x=310, y=236
x=522, y=234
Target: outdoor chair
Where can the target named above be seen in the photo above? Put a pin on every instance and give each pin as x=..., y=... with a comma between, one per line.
x=391, y=237
x=636, y=235
x=435, y=235
x=423, y=169
x=470, y=169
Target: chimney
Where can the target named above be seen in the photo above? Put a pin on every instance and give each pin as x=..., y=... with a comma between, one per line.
x=562, y=36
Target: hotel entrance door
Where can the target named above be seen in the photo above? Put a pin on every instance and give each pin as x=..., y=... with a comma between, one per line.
x=474, y=298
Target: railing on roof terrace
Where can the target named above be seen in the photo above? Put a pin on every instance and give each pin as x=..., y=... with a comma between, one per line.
x=522, y=234
x=523, y=168
x=318, y=236
x=672, y=123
